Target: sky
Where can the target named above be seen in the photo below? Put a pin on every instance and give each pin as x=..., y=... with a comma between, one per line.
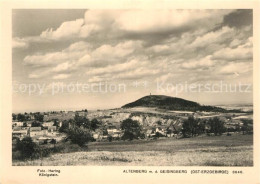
x=98, y=59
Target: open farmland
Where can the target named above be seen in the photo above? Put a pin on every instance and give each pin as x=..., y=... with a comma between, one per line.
x=235, y=150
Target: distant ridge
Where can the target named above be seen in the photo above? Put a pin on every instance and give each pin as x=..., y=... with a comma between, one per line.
x=171, y=103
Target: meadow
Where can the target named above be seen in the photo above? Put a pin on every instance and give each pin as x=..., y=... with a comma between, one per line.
x=235, y=150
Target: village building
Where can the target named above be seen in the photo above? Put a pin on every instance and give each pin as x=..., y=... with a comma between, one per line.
x=29, y=123
x=52, y=130
x=48, y=124
x=36, y=131
x=17, y=123
x=20, y=132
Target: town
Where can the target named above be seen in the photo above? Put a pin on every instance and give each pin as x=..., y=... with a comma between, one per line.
x=43, y=127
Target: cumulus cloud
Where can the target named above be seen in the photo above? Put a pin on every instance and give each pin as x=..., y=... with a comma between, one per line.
x=118, y=67
x=236, y=68
x=212, y=37
x=19, y=43
x=138, y=73
x=161, y=20
x=132, y=23
x=204, y=62
x=52, y=58
x=62, y=67
x=66, y=30
x=118, y=51
x=234, y=54
x=80, y=54
x=110, y=45
x=165, y=77
x=61, y=76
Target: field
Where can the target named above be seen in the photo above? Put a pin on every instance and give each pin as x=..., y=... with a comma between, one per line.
x=235, y=150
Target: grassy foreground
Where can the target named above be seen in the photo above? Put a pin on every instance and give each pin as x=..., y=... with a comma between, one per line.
x=235, y=150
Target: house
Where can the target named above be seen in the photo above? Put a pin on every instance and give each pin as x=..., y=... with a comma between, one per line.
x=17, y=123
x=111, y=129
x=36, y=131
x=48, y=124
x=117, y=134
x=97, y=134
x=19, y=132
x=29, y=123
x=150, y=132
x=52, y=130
x=236, y=122
x=160, y=129
x=114, y=132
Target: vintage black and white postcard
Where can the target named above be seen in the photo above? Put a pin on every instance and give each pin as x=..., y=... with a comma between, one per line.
x=131, y=91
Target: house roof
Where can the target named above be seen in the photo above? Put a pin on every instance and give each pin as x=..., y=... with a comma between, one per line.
x=20, y=132
x=17, y=128
x=52, y=128
x=48, y=122
x=34, y=129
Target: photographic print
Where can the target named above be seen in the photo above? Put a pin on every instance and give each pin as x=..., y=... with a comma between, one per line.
x=132, y=87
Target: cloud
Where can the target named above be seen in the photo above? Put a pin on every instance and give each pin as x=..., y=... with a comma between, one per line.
x=138, y=73
x=165, y=77
x=19, y=43
x=70, y=54
x=66, y=30
x=39, y=73
x=239, y=18
x=242, y=52
x=62, y=67
x=61, y=76
x=212, y=37
x=117, y=68
x=95, y=79
x=205, y=62
x=118, y=51
x=52, y=58
x=79, y=56
x=81, y=53
x=235, y=68
x=141, y=24
x=159, y=48
x=161, y=20
x=177, y=45
x=235, y=43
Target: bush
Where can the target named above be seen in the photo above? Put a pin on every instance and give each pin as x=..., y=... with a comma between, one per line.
x=110, y=138
x=132, y=129
x=26, y=147
x=79, y=136
x=246, y=128
x=217, y=126
x=128, y=135
x=192, y=127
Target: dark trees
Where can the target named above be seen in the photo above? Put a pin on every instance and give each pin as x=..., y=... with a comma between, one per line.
x=192, y=127
x=132, y=129
x=26, y=147
x=217, y=126
x=79, y=135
